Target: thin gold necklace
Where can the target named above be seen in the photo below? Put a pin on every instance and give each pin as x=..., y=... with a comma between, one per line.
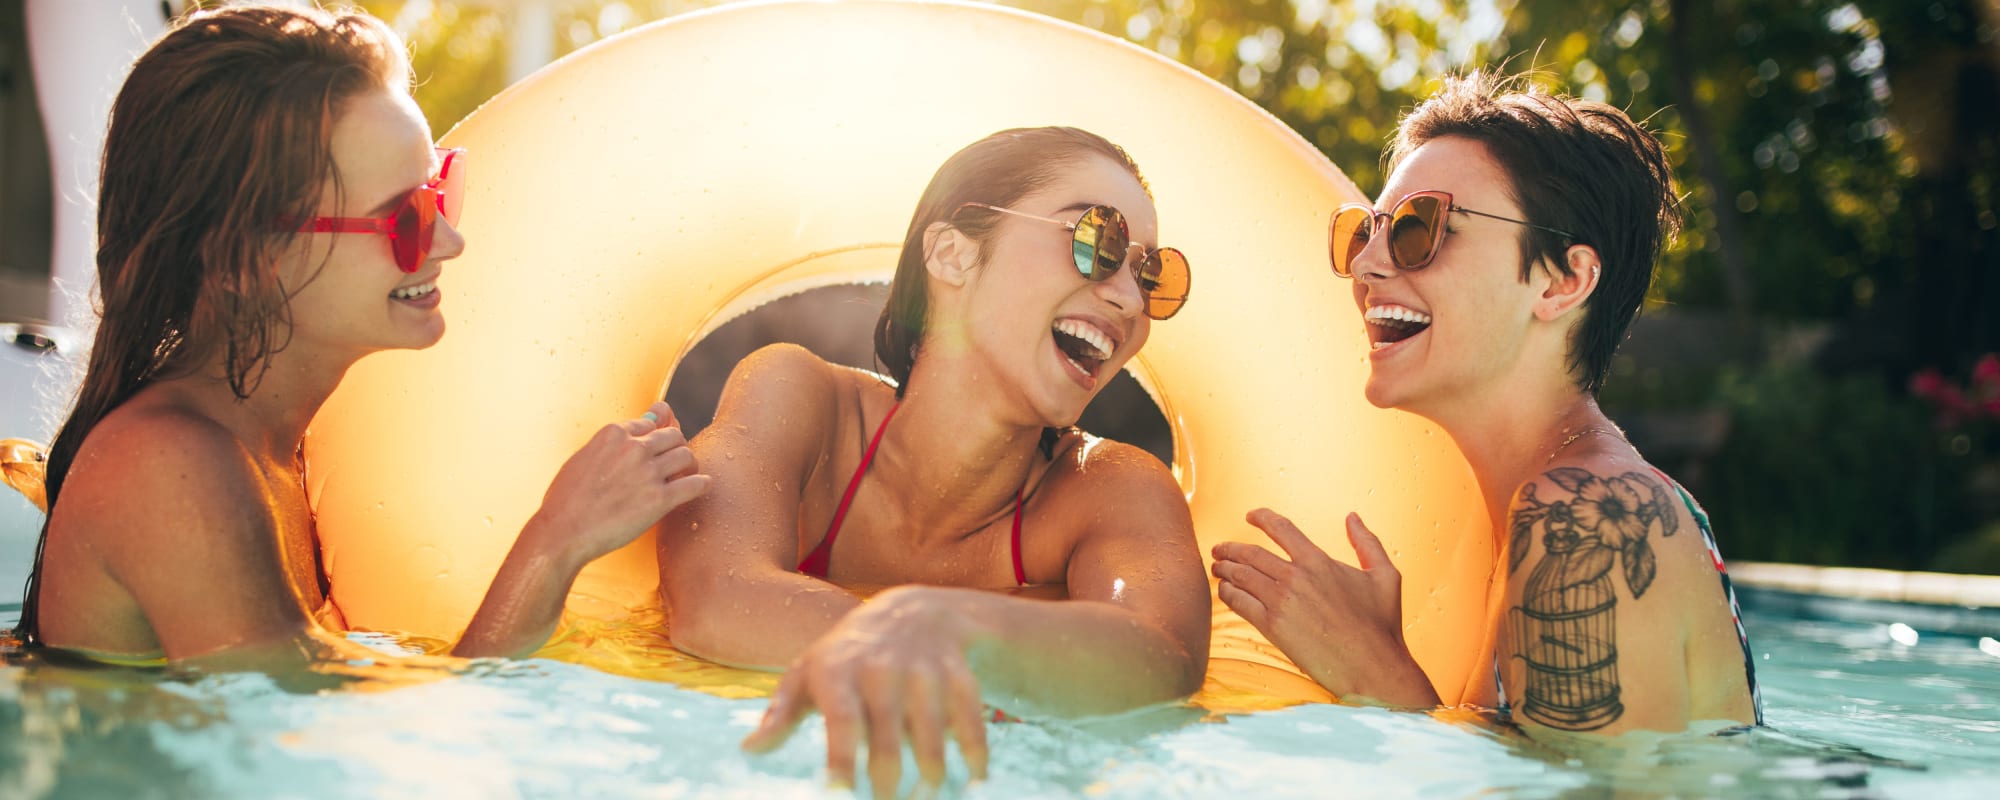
x=1572, y=439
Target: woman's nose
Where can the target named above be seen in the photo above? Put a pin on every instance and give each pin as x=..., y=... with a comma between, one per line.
x=446, y=242
x=1122, y=289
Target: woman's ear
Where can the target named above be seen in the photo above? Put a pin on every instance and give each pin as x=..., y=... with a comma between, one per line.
x=949, y=254
x=1566, y=293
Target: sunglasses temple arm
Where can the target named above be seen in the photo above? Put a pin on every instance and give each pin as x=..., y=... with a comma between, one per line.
x=1069, y=225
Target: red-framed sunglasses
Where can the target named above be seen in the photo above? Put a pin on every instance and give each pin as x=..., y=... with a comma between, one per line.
x=1100, y=244
x=1416, y=230
x=412, y=224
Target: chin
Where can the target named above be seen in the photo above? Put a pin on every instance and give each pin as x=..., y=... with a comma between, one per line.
x=1380, y=389
x=1378, y=395
x=1062, y=415
x=424, y=338
x=1386, y=393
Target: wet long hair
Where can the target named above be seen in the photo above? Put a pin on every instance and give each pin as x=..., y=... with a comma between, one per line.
x=223, y=126
x=997, y=170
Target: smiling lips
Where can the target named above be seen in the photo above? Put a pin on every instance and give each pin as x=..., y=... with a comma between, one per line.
x=414, y=292
x=423, y=295
x=1083, y=344
x=1390, y=323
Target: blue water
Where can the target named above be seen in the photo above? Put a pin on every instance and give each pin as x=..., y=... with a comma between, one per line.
x=1853, y=713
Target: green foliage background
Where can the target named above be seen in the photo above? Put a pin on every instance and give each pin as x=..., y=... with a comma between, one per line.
x=1839, y=159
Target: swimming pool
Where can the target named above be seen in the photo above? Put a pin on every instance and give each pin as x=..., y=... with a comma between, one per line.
x=1854, y=712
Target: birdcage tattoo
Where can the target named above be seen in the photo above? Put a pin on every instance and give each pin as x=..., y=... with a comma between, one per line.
x=1564, y=630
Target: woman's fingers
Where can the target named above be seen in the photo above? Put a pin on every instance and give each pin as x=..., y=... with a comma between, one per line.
x=664, y=414
x=682, y=490
x=657, y=417
x=1287, y=535
x=967, y=714
x=678, y=461
x=663, y=440
x=1255, y=557
x=1243, y=603
x=1367, y=546
x=882, y=704
x=789, y=705
x=924, y=720
x=1242, y=576
x=842, y=711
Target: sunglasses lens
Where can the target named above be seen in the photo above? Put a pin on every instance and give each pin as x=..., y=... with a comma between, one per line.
x=1350, y=231
x=1100, y=244
x=1165, y=277
x=415, y=221
x=1413, y=231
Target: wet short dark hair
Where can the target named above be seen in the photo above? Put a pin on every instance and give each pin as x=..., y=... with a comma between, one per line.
x=1574, y=165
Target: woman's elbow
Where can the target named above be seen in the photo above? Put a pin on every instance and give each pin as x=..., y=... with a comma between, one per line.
x=1192, y=671
x=691, y=599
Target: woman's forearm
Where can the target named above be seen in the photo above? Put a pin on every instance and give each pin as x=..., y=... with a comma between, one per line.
x=1070, y=657
x=525, y=602
x=759, y=619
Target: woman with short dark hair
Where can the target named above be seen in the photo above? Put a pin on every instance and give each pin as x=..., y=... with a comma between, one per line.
x=1513, y=245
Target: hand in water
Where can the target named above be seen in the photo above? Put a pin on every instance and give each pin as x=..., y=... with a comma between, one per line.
x=628, y=476
x=1343, y=626
x=894, y=668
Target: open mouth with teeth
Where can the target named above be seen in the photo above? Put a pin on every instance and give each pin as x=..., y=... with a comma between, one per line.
x=418, y=292
x=1390, y=324
x=1084, y=345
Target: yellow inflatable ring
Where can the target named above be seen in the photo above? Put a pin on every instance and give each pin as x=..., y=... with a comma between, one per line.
x=629, y=199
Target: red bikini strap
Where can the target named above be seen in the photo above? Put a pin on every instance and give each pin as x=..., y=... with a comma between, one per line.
x=1020, y=575
x=821, y=557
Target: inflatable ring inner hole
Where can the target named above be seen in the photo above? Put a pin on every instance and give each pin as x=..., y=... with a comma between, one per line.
x=837, y=322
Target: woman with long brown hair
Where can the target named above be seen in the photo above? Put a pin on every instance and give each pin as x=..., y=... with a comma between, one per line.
x=1048, y=570
x=272, y=210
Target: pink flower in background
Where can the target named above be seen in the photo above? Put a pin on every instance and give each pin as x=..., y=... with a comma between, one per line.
x=1986, y=385
x=1986, y=373
x=1927, y=383
x=1955, y=405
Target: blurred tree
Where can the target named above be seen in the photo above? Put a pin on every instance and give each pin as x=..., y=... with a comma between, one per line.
x=1839, y=159
x=1839, y=155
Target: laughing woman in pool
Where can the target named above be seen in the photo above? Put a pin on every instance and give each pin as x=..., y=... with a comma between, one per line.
x=1018, y=294
x=273, y=210
x=1513, y=244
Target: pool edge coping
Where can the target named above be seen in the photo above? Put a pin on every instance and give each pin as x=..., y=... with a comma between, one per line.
x=1857, y=583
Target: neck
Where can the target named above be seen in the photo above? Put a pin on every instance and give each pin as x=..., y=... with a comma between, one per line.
x=1509, y=437
x=272, y=420
x=953, y=459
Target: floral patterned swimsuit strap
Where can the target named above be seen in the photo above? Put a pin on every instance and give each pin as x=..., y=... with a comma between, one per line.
x=1728, y=590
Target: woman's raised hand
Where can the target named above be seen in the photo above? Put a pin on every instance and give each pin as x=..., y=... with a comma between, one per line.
x=892, y=670
x=628, y=476
x=1343, y=626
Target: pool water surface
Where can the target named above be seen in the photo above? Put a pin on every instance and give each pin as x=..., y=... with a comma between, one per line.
x=1854, y=710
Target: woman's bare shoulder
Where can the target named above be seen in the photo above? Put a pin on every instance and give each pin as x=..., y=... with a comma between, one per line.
x=148, y=444
x=1101, y=471
x=788, y=379
x=160, y=466
x=784, y=408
